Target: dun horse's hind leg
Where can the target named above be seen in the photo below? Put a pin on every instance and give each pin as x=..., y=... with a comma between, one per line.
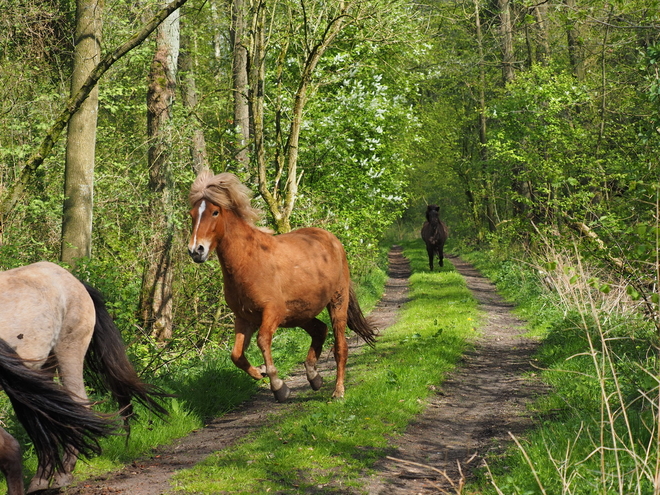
x=70, y=364
x=70, y=367
x=65, y=477
x=318, y=331
x=10, y=463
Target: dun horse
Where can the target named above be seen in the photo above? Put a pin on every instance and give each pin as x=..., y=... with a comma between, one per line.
x=434, y=233
x=50, y=320
x=274, y=281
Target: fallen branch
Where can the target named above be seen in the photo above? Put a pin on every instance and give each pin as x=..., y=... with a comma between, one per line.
x=584, y=229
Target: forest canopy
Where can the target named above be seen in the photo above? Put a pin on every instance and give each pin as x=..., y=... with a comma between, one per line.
x=520, y=119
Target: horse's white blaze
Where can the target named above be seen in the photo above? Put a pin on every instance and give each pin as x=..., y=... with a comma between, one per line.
x=200, y=212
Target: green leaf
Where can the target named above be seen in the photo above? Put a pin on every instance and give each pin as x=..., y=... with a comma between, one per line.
x=632, y=292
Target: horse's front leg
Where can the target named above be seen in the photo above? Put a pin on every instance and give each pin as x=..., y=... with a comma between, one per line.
x=431, y=252
x=10, y=463
x=269, y=324
x=243, y=331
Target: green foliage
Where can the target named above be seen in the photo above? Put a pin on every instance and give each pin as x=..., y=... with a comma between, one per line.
x=356, y=184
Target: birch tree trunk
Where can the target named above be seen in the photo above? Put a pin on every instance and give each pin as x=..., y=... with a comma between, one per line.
x=81, y=137
x=240, y=83
x=506, y=32
x=157, y=283
x=190, y=99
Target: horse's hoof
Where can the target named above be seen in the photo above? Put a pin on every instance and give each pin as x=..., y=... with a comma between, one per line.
x=61, y=479
x=37, y=485
x=338, y=394
x=282, y=394
x=316, y=382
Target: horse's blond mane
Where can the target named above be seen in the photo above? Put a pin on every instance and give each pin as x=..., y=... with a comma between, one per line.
x=226, y=191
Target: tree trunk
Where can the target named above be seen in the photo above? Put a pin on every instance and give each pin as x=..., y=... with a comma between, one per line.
x=506, y=32
x=541, y=15
x=11, y=195
x=190, y=99
x=282, y=195
x=240, y=83
x=157, y=284
x=81, y=137
x=483, y=123
x=217, y=34
x=575, y=43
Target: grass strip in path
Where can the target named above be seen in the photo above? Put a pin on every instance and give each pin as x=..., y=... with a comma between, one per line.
x=328, y=445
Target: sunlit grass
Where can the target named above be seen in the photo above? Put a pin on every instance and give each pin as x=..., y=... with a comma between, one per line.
x=328, y=444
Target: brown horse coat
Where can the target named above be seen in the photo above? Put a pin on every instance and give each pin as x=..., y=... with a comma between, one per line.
x=274, y=281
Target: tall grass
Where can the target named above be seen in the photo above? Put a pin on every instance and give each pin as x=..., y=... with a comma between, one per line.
x=598, y=429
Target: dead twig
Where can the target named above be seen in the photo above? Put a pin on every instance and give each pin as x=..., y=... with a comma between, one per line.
x=458, y=489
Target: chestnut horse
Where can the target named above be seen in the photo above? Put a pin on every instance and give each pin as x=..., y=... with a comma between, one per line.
x=274, y=281
x=434, y=233
x=51, y=320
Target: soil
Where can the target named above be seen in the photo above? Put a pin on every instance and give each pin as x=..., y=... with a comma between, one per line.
x=471, y=415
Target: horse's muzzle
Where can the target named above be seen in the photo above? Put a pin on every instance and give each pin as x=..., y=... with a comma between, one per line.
x=199, y=255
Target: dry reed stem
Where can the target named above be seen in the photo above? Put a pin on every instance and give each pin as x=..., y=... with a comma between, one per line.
x=461, y=482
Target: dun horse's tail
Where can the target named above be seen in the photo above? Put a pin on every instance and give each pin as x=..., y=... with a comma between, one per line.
x=357, y=322
x=52, y=418
x=106, y=358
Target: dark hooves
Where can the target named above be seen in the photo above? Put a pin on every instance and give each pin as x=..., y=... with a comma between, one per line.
x=282, y=394
x=317, y=382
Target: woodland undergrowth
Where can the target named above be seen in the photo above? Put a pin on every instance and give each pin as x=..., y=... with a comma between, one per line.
x=598, y=429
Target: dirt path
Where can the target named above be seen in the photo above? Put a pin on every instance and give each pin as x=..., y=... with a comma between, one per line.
x=481, y=401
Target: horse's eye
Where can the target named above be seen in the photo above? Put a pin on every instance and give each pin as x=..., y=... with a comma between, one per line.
x=215, y=213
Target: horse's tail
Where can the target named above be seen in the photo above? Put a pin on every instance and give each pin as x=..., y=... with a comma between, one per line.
x=357, y=322
x=107, y=359
x=52, y=418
